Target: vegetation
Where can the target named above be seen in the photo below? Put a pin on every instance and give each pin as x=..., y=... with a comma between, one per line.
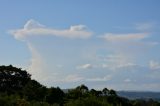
x=18, y=89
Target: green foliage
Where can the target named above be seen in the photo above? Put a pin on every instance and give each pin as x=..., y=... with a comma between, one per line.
x=55, y=95
x=12, y=78
x=93, y=92
x=105, y=91
x=17, y=89
x=89, y=101
x=34, y=91
x=6, y=100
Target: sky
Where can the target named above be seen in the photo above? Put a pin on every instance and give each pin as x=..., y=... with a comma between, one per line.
x=99, y=43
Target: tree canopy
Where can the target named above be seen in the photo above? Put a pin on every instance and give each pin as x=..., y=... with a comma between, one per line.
x=18, y=89
x=12, y=78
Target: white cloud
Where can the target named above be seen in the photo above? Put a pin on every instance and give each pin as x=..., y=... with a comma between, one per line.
x=105, y=78
x=78, y=28
x=154, y=65
x=112, y=37
x=68, y=79
x=120, y=53
x=34, y=28
x=73, y=78
x=116, y=61
x=127, y=80
x=36, y=64
x=85, y=66
x=144, y=26
x=125, y=49
x=31, y=24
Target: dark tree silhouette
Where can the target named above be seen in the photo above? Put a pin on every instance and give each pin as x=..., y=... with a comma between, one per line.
x=82, y=88
x=55, y=95
x=112, y=92
x=34, y=91
x=105, y=91
x=93, y=92
x=12, y=78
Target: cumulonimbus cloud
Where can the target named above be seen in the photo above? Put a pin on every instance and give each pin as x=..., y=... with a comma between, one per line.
x=34, y=28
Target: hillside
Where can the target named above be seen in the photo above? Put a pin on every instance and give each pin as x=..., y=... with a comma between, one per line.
x=139, y=95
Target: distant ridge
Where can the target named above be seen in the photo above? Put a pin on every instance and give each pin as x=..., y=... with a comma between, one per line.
x=140, y=95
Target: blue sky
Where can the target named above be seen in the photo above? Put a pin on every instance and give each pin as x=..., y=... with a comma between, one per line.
x=107, y=43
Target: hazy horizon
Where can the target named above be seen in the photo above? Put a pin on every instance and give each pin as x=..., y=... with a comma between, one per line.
x=65, y=43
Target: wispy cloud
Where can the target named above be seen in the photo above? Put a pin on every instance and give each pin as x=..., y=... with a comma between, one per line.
x=154, y=65
x=144, y=26
x=113, y=37
x=116, y=61
x=34, y=28
x=67, y=79
x=73, y=78
x=105, y=78
x=125, y=49
x=85, y=66
x=127, y=80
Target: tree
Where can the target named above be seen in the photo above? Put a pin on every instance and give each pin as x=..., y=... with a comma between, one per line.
x=34, y=91
x=96, y=93
x=82, y=88
x=105, y=91
x=78, y=92
x=12, y=78
x=112, y=92
x=55, y=95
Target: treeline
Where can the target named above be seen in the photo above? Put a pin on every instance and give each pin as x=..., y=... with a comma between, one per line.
x=18, y=89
